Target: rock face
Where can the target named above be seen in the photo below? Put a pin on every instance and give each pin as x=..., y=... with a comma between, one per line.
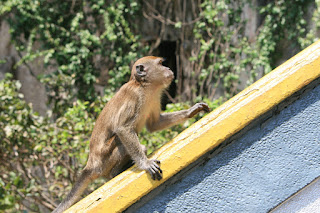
x=6, y=50
x=33, y=90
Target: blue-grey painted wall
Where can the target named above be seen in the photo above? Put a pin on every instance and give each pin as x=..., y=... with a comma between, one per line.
x=257, y=171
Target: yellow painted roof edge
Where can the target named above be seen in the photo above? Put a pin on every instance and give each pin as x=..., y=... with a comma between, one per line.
x=127, y=188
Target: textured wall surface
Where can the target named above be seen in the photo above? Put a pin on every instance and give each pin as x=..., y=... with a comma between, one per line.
x=256, y=172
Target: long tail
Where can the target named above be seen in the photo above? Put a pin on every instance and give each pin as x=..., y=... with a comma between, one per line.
x=88, y=174
x=84, y=179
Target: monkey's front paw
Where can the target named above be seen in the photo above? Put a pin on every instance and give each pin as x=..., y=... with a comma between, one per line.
x=198, y=107
x=152, y=166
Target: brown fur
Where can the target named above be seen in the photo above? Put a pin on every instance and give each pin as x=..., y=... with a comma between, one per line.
x=114, y=141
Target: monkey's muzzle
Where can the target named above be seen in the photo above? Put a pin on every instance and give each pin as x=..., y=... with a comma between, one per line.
x=169, y=75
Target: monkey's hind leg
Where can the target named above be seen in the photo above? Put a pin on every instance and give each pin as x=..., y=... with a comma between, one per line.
x=118, y=161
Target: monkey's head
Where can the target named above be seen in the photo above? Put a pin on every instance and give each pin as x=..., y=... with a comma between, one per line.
x=150, y=70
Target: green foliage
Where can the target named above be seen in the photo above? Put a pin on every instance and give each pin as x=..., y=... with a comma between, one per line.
x=225, y=51
x=283, y=21
x=8, y=199
x=42, y=156
x=222, y=44
x=73, y=36
x=311, y=36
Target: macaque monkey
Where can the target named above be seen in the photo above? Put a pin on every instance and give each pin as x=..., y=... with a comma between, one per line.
x=114, y=140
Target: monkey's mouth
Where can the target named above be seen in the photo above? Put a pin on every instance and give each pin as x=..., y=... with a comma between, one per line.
x=169, y=80
x=170, y=76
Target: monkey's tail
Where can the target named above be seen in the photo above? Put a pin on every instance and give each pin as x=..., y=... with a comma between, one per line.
x=81, y=184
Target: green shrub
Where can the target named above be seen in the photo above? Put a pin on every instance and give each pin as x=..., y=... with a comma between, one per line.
x=41, y=157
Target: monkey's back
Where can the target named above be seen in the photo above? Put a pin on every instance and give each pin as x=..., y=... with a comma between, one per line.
x=120, y=110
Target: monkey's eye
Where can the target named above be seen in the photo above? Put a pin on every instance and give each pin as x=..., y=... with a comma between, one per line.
x=163, y=62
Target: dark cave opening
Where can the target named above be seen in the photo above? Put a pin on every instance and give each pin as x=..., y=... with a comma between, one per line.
x=167, y=50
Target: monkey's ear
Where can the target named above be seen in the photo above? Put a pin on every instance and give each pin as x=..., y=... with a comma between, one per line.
x=140, y=72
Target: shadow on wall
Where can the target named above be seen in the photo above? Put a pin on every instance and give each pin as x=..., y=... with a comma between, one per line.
x=257, y=171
